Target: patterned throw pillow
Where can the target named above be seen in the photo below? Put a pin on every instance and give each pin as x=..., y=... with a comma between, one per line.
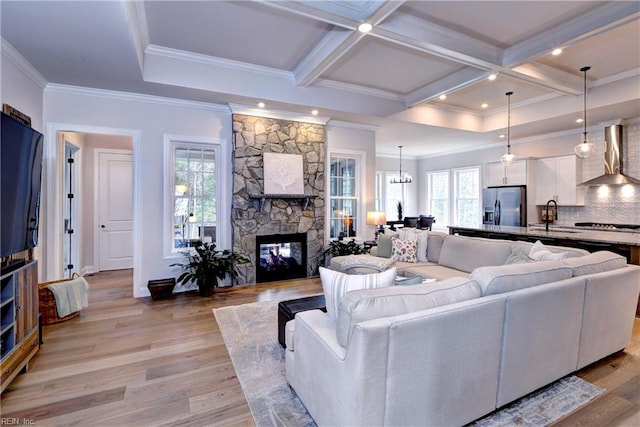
x=404, y=250
x=335, y=284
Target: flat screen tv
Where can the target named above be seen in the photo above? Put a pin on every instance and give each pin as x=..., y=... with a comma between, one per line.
x=20, y=175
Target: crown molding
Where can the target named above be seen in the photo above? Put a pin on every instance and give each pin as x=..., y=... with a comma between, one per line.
x=362, y=90
x=128, y=96
x=218, y=62
x=351, y=125
x=12, y=55
x=137, y=17
x=277, y=114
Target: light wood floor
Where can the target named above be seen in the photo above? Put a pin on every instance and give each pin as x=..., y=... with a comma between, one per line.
x=138, y=362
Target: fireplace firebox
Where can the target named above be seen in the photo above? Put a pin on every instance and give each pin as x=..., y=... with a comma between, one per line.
x=281, y=257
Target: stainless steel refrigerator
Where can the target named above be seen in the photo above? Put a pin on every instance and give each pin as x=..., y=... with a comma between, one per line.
x=505, y=206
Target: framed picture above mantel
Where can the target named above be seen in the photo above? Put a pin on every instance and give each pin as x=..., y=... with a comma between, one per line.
x=283, y=174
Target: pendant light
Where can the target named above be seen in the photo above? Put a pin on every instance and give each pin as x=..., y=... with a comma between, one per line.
x=585, y=148
x=508, y=158
x=401, y=179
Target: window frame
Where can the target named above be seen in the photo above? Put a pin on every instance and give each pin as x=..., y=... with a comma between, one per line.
x=452, y=201
x=359, y=220
x=171, y=144
x=455, y=200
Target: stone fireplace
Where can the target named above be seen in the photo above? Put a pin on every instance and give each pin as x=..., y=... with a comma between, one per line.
x=267, y=218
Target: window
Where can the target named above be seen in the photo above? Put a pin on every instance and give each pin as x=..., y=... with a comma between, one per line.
x=438, y=196
x=467, y=196
x=193, y=187
x=343, y=196
x=453, y=196
x=388, y=195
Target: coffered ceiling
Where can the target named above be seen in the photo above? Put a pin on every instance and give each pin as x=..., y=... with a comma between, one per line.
x=302, y=55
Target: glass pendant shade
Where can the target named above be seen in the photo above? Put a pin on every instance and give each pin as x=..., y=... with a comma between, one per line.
x=508, y=158
x=402, y=178
x=585, y=148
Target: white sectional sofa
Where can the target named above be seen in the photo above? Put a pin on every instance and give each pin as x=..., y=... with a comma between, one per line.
x=449, y=352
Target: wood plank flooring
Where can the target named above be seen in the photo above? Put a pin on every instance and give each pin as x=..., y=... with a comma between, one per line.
x=138, y=362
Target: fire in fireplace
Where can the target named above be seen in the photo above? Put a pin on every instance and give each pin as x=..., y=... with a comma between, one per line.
x=281, y=257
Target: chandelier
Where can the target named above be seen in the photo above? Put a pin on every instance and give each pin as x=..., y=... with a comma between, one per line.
x=401, y=178
x=508, y=158
x=585, y=148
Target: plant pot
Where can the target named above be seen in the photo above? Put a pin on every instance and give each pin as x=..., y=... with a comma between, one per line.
x=207, y=286
x=162, y=288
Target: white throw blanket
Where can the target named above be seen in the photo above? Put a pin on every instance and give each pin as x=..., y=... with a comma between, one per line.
x=71, y=296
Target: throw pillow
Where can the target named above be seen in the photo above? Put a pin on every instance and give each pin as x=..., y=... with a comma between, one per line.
x=404, y=250
x=420, y=236
x=540, y=252
x=384, y=246
x=518, y=258
x=335, y=284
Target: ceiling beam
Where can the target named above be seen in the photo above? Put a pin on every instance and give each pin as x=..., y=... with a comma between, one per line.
x=335, y=44
x=592, y=23
x=451, y=83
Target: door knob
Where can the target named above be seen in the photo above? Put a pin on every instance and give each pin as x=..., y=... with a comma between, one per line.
x=103, y=226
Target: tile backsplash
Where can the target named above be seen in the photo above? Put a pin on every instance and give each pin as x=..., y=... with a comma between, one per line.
x=616, y=205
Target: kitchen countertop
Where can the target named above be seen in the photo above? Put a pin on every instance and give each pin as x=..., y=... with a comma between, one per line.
x=561, y=232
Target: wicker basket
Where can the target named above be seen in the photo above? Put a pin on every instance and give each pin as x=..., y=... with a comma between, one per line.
x=47, y=303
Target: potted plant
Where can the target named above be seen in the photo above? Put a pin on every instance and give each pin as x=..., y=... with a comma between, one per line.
x=339, y=248
x=206, y=265
x=399, y=211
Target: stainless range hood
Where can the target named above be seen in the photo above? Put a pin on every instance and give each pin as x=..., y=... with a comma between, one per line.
x=613, y=146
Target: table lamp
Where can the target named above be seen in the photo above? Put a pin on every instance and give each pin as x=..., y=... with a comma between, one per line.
x=378, y=218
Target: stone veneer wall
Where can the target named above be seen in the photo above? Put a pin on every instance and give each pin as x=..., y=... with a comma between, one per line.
x=253, y=136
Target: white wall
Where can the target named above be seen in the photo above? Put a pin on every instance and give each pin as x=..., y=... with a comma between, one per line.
x=147, y=119
x=350, y=138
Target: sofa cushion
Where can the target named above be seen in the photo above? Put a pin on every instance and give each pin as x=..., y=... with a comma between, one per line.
x=468, y=253
x=359, y=306
x=596, y=262
x=540, y=252
x=422, y=239
x=518, y=258
x=335, y=284
x=404, y=250
x=511, y=277
x=525, y=247
x=383, y=250
x=429, y=271
x=434, y=246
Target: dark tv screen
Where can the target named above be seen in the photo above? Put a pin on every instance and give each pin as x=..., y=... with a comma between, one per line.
x=20, y=173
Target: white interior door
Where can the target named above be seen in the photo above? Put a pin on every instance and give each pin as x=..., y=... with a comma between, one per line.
x=115, y=210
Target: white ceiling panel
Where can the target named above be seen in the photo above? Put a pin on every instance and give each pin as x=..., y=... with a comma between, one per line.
x=261, y=35
x=362, y=66
x=299, y=55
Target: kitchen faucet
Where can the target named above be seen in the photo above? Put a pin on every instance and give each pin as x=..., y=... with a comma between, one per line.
x=546, y=226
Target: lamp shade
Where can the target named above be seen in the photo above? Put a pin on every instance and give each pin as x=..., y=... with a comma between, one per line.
x=376, y=218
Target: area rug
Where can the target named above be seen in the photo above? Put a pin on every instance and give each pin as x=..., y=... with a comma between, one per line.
x=250, y=334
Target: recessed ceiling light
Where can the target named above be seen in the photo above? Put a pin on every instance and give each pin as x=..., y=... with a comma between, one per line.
x=261, y=104
x=492, y=77
x=443, y=97
x=556, y=52
x=314, y=112
x=484, y=105
x=580, y=120
x=502, y=136
x=365, y=27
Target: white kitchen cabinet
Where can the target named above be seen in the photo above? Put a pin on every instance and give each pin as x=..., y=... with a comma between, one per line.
x=557, y=178
x=497, y=174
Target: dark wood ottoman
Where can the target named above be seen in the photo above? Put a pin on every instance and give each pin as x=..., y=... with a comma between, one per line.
x=288, y=309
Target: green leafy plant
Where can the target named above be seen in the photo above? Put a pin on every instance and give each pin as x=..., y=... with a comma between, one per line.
x=339, y=248
x=399, y=211
x=206, y=265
